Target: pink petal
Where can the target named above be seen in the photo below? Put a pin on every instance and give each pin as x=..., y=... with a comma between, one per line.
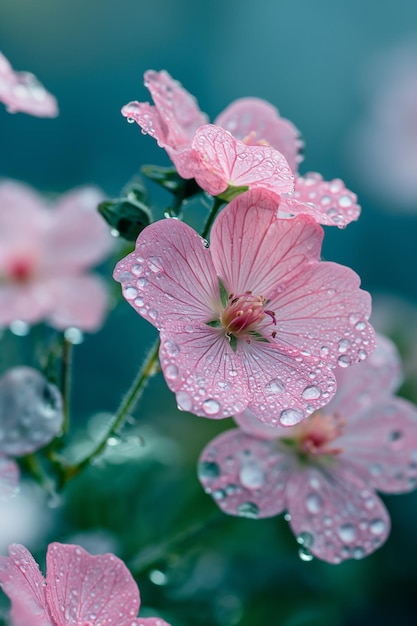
x=226, y=161
x=285, y=387
x=255, y=121
x=77, y=237
x=202, y=369
x=30, y=409
x=26, y=302
x=89, y=589
x=334, y=515
x=381, y=441
x=170, y=275
x=79, y=301
x=177, y=107
x=9, y=477
x=323, y=313
x=250, y=425
x=369, y=382
x=328, y=202
x=20, y=205
x=148, y=118
x=245, y=476
x=24, y=584
x=252, y=250
x=21, y=91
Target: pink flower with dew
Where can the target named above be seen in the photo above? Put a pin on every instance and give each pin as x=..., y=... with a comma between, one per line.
x=256, y=320
x=324, y=471
x=45, y=253
x=258, y=123
x=79, y=589
x=251, y=155
x=22, y=92
x=31, y=415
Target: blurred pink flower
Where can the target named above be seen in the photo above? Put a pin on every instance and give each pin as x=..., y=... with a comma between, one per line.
x=44, y=254
x=79, y=589
x=22, y=92
x=325, y=471
x=256, y=320
x=383, y=146
x=255, y=151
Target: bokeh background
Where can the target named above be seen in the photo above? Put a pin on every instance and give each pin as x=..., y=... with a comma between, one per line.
x=346, y=74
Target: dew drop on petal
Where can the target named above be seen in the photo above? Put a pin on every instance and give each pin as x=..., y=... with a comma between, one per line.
x=311, y=393
x=155, y=264
x=171, y=372
x=347, y=533
x=305, y=539
x=130, y=293
x=358, y=552
x=207, y=470
x=211, y=406
x=314, y=503
x=74, y=335
x=377, y=527
x=248, y=509
x=344, y=361
x=275, y=386
x=343, y=345
x=289, y=417
x=251, y=475
x=362, y=354
x=184, y=401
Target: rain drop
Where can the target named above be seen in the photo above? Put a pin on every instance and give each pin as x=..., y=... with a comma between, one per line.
x=171, y=372
x=347, y=533
x=344, y=361
x=211, y=406
x=251, y=475
x=314, y=503
x=207, y=470
x=289, y=417
x=184, y=401
x=311, y=393
x=275, y=386
x=248, y=509
x=377, y=527
x=305, y=539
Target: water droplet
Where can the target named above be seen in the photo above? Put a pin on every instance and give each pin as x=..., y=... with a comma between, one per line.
x=130, y=120
x=314, y=503
x=153, y=314
x=343, y=345
x=347, y=533
x=157, y=577
x=324, y=350
x=358, y=552
x=139, y=302
x=171, y=347
x=19, y=328
x=289, y=417
x=155, y=264
x=171, y=372
x=305, y=538
x=360, y=326
x=311, y=393
x=305, y=554
x=362, y=354
x=219, y=494
x=130, y=293
x=377, y=527
x=248, y=509
x=344, y=361
x=74, y=335
x=211, y=406
x=184, y=401
x=142, y=282
x=251, y=475
x=207, y=470
x=275, y=386
x=137, y=269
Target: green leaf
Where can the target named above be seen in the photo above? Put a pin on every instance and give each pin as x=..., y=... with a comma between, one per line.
x=214, y=323
x=169, y=178
x=128, y=216
x=233, y=342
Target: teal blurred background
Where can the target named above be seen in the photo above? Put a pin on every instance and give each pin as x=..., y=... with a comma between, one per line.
x=323, y=63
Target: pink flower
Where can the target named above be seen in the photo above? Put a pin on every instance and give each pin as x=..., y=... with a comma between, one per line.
x=44, y=254
x=79, y=589
x=324, y=471
x=255, y=151
x=21, y=91
x=256, y=320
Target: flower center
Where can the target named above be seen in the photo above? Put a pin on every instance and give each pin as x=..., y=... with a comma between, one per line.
x=19, y=269
x=243, y=313
x=315, y=435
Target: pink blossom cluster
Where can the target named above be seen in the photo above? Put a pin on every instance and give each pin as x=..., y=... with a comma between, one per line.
x=79, y=589
x=22, y=92
x=249, y=145
x=255, y=325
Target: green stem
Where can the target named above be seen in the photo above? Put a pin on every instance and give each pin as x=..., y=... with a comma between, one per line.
x=153, y=554
x=126, y=406
x=217, y=203
x=66, y=366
